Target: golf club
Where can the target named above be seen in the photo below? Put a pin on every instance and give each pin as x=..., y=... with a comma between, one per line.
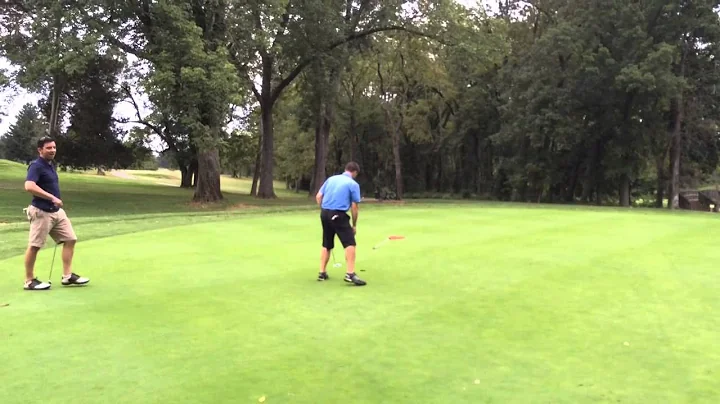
x=53, y=263
x=390, y=238
x=336, y=264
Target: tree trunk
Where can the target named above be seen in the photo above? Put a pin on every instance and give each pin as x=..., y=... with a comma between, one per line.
x=591, y=171
x=54, y=118
x=266, y=189
x=661, y=182
x=428, y=175
x=398, y=164
x=354, y=155
x=625, y=191
x=395, y=130
x=57, y=88
x=477, y=162
x=258, y=169
x=323, y=124
x=676, y=149
x=194, y=169
x=322, y=140
x=570, y=195
x=208, y=178
x=439, y=174
x=338, y=153
x=185, y=176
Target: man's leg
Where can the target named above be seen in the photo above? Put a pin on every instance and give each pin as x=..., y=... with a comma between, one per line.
x=67, y=256
x=324, y=258
x=30, y=257
x=63, y=232
x=347, y=238
x=39, y=229
x=350, y=258
x=328, y=243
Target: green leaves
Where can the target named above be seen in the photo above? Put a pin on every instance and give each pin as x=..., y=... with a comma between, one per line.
x=19, y=144
x=47, y=39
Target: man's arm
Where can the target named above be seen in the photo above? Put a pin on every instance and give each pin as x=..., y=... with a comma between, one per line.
x=355, y=194
x=33, y=188
x=319, y=195
x=354, y=209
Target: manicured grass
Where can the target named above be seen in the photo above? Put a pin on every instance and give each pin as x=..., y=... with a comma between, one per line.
x=480, y=303
x=108, y=205
x=87, y=194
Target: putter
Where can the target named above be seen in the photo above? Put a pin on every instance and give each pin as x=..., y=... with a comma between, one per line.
x=336, y=264
x=390, y=238
x=52, y=264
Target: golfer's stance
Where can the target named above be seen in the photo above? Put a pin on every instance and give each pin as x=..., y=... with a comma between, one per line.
x=47, y=216
x=338, y=194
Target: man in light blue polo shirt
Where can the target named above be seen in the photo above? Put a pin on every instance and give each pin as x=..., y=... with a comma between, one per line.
x=337, y=195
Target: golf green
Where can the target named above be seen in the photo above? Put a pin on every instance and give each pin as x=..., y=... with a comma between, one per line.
x=478, y=304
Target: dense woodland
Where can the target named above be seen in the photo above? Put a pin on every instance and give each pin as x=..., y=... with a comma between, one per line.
x=583, y=101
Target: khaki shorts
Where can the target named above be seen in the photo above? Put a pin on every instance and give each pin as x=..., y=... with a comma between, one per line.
x=55, y=224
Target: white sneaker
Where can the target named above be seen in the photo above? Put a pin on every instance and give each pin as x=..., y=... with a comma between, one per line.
x=35, y=284
x=74, y=279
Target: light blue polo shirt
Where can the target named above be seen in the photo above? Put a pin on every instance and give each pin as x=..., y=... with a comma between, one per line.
x=339, y=191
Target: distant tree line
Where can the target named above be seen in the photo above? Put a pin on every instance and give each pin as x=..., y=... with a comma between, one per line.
x=599, y=102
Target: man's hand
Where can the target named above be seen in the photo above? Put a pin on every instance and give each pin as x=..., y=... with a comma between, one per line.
x=354, y=230
x=57, y=202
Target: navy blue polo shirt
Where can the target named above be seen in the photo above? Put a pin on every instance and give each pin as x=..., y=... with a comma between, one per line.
x=45, y=176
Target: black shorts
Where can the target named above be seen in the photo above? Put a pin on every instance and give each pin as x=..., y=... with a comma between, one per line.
x=336, y=222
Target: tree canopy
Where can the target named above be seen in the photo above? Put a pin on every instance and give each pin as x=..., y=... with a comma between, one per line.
x=598, y=102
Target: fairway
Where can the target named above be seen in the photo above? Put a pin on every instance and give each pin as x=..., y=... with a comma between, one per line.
x=479, y=304
x=529, y=193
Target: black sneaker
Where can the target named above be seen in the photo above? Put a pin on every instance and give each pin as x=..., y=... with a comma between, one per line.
x=35, y=284
x=323, y=276
x=74, y=279
x=352, y=278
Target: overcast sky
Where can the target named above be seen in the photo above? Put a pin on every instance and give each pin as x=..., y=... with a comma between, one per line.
x=12, y=101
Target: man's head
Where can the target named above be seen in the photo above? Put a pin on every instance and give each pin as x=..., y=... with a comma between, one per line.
x=46, y=148
x=352, y=168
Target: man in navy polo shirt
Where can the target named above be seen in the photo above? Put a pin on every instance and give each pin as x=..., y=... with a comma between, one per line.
x=47, y=217
x=337, y=195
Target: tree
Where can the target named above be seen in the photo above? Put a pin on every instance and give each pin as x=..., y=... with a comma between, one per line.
x=49, y=41
x=237, y=156
x=276, y=42
x=19, y=143
x=92, y=139
x=165, y=126
x=190, y=76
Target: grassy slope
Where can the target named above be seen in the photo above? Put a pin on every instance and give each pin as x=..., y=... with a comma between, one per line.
x=108, y=205
x=529, y=305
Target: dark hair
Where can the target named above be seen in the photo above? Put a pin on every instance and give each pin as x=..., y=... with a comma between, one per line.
x=43, y=141
x=352, y=167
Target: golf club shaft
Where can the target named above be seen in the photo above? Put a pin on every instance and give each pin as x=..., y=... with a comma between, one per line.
x=52, y=264
x=335, y=263
x=381, y=243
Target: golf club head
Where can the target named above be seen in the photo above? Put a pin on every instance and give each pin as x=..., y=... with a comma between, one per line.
x=336, y=264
